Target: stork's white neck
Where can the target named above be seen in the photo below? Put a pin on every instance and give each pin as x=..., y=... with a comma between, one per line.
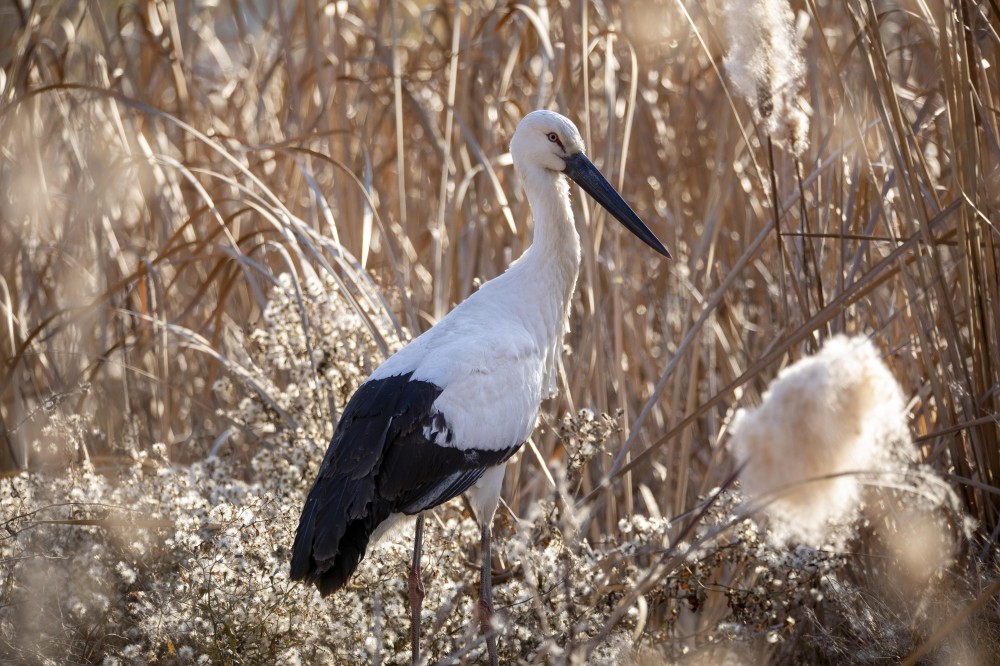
x=555, y=248
x=544, y=277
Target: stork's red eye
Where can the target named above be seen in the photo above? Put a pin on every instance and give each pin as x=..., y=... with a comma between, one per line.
x=553, y=137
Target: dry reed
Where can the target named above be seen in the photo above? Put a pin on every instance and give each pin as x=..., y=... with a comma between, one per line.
x=177, y=176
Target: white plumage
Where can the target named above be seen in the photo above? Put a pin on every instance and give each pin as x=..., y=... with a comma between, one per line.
x=443, y=414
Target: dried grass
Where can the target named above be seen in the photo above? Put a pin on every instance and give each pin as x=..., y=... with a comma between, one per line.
x=164, y=163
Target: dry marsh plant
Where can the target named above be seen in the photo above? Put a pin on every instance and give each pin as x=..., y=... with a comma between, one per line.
x=766, y=67
x=824, y=419
x=216, y=218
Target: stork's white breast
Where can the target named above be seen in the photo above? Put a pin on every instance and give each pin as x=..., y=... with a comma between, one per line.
x=491, y=369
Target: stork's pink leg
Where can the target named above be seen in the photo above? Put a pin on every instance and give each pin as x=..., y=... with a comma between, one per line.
x=416, y=591
x=486, y=597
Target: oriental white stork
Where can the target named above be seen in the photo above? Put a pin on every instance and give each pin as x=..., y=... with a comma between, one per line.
x=444, y=414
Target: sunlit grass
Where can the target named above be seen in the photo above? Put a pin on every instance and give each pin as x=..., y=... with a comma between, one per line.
x=217, y=218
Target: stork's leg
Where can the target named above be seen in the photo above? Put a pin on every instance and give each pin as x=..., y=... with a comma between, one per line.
x=416, y=590
x=486, y=597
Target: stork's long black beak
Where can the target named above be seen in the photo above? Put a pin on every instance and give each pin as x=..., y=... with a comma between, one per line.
x=586, y=175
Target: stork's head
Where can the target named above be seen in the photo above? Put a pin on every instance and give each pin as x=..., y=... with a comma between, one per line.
x=545, y=139
x=551, y=141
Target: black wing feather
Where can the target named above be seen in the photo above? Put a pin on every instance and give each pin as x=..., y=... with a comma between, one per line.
x=379, y=462
x=452, y=486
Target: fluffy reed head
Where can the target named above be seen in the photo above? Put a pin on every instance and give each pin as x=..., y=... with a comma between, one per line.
x=765, y=66
x=836, y=412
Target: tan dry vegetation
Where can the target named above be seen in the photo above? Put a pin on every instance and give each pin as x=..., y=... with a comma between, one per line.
x=165, y=394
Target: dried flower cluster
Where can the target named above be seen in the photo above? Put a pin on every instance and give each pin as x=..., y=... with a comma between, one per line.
x=727, y=589
x=582, y=435
x=152, y=562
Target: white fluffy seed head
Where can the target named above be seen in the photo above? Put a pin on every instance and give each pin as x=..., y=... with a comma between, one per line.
x=838, y=411
x=765, y=66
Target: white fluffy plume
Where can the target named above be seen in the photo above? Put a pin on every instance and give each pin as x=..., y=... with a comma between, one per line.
x=765, y=66
x=838, y=411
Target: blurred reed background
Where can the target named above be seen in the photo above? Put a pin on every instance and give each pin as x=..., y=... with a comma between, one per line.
x=163, y=161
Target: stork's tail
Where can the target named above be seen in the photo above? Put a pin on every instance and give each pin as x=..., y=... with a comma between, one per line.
x=329, y=547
